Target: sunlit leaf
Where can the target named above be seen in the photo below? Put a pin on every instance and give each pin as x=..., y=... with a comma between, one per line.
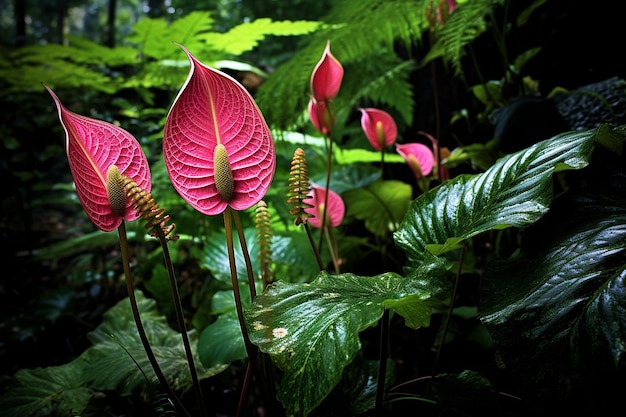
x=312, y=330
x=246, y=36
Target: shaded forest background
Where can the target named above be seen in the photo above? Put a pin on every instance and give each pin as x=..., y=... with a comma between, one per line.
x=581, y=45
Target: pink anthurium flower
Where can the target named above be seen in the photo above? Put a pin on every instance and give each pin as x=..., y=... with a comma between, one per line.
x=335, y=211
x=217, y=146
x=321, y=116
x=326, y=77
x=93, y=147
x=379, y=127
x=419, y=157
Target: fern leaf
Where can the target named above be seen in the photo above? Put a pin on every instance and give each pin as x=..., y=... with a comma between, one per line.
x=464, y=26
x=246, y=36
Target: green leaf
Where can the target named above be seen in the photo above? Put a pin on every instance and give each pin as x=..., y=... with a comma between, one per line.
x=117, y=360
x=45, y=391
x=246, y=36
x=312, y=330
x=216, y=257
x=221, y=342
x=382, y=205
x=564, y=293
x=515, y=191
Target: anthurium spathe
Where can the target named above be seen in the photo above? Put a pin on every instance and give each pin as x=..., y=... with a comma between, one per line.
x=419, y=157
x=335, y=211
x=321, y=116
x=217, y=146
x=379, y=127
x=326, y=76
x=93, y=147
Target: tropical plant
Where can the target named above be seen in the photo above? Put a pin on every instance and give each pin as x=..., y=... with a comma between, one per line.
x=473, y=282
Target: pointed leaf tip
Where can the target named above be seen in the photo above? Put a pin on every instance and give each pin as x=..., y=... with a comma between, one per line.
x=214, y=109
x=92, y=147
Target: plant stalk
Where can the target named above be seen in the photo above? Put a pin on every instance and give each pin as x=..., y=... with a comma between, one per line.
x=140, y=329
x=180, y=317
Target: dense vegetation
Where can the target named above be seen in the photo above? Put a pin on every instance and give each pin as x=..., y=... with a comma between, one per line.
x=496, y=289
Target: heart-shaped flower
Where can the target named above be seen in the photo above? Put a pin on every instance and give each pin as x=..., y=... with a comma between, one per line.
x=419, y=157
x=379, y=127
x=326, y=76
x=335, y=211
x=217, y=146
x=95, y=147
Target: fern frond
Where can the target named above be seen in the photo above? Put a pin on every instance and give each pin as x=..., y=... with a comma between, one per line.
x=359, y=32
x=390, y=87
x=246, y=36
x=464, y=26
x=154, y=37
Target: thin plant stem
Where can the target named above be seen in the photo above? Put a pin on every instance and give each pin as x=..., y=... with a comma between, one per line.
x=180, y=317
x=382, y=163
x=267, y=389
x=382, y=365
x=251, y=349
x=332, y=245
x=228, y=226
x=314, y=246
x=140, y=329
x=329, y=161
x=448, y=316
x=246, y=254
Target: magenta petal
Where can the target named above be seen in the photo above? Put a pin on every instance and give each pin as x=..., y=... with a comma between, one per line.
x=369, y=118
x=92, y=146
x=334, y=213
x=421, y=153
x=326, y=77
x=212, y=108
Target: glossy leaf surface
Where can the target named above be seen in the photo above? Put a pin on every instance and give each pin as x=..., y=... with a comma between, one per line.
x=515, y=191
x=92, y=146
x=566, y=292
x=213, y=109
x=312, y=330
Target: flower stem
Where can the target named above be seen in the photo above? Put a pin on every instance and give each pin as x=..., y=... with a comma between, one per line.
x=140, y=329
x=246, y=254
x=180, y=317
x=329, y=161
x=251, y=349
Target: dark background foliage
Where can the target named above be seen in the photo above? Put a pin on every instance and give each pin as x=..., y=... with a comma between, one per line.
x=48, y=304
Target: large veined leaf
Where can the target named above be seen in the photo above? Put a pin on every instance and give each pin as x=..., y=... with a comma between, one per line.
x=515, y=191
x=117, y=346
x=45, y=391
x=382, y=205
x=311, y=331
x=557, y=311
x=116, y=361
x=221, y=342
